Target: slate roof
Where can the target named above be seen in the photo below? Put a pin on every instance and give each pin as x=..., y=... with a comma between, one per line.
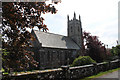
x=55, y=41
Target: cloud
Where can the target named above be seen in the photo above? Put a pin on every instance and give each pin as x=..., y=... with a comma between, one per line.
x=99, y=17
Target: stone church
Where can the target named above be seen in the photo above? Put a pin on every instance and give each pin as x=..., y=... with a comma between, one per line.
x=54, y=50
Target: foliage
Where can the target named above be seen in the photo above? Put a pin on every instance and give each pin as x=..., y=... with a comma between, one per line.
x=115, y=50
x=114, y=53
x=83, y=60
x=17, y=17
x=94, y=48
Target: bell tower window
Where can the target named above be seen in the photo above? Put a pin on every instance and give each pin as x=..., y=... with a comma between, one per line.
x=71, y=28
x=78, y=29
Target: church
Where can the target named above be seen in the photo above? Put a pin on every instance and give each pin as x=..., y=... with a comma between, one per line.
x=54, y=50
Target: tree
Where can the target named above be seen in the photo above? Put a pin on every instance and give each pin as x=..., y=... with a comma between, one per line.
x=94, y=48
x=17, y=16
x=115, y=51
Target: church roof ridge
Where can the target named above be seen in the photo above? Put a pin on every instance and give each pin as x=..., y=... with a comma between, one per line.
x=51, y=33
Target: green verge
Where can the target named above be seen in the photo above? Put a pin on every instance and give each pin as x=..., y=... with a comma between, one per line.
x=100, y=74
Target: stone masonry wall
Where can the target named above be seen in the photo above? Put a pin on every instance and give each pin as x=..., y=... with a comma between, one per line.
x=65, y=72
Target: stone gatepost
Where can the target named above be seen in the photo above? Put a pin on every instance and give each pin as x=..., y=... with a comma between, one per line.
x=66, y=74
x=109, y=65
x=95, y=68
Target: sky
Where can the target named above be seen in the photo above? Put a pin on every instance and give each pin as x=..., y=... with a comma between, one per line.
x=99, y=17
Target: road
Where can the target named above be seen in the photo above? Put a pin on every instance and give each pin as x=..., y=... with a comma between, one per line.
x=109, y=76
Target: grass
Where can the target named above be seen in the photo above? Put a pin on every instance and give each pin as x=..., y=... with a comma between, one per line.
x=100, y=74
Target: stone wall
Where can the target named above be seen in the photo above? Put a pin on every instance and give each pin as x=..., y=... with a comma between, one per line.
x=66, y=72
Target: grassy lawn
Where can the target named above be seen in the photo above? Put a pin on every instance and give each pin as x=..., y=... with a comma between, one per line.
x=100, y=74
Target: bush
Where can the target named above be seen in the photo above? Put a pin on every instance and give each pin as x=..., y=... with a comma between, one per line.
x=83, y=60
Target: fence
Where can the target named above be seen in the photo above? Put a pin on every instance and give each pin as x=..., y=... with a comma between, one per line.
x=66, y=72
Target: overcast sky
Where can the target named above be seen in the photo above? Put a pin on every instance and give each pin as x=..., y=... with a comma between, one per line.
x=99, y=17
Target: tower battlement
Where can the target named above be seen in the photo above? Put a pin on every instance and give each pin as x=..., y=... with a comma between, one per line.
x=75, y=29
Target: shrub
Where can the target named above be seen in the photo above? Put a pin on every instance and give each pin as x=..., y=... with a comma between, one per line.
x=83, y=60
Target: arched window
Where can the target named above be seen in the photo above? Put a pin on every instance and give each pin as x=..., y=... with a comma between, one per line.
x=78, y=29
x=58, y=56
x=71, y=28
x=48, y=56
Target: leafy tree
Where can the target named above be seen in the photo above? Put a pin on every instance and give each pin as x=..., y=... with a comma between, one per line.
x=115, y=51
x=94, y=48
x=17, y=17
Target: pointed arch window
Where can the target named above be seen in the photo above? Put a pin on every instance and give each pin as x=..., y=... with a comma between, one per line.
x=71, y=28
x=48, y=55
x=78, y=28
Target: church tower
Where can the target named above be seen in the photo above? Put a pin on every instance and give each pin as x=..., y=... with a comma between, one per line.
x=75, y=30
